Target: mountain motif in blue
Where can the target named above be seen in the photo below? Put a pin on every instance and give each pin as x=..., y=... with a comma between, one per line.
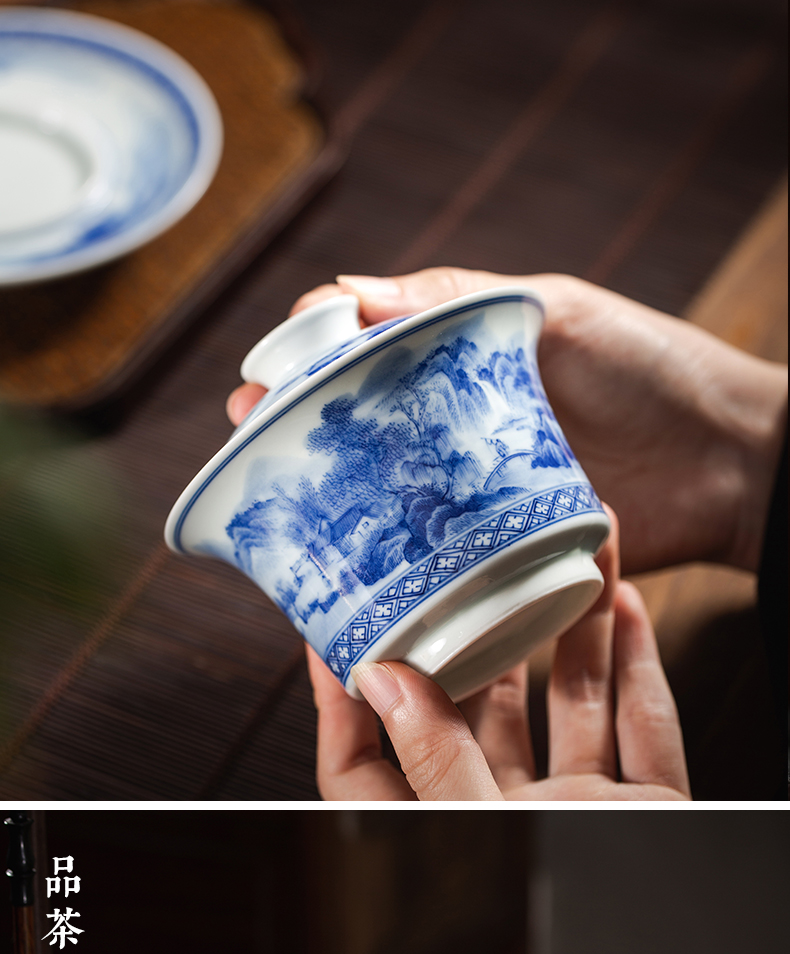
x=407, y=468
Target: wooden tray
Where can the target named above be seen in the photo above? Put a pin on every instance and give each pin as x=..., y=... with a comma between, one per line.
x=74, y=343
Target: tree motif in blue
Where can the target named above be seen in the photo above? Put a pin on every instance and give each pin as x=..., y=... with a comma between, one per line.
x=407, y=468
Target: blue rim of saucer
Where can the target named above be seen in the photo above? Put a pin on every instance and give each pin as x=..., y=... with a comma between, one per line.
x=171, y=76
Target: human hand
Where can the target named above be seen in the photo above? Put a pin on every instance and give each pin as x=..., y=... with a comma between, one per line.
x=613, y=727
x=679, y=431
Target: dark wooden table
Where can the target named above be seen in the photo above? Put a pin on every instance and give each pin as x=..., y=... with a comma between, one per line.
x=628, y=143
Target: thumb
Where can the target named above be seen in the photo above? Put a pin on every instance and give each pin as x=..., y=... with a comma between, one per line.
x=437, y=752
x=383, y=298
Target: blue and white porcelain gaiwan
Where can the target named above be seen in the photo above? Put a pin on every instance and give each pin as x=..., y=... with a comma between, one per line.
x=404, y=491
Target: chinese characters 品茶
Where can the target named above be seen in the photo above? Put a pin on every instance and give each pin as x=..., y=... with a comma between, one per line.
x=62, y=929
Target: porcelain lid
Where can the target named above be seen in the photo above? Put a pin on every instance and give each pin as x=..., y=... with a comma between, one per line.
x=304, y=344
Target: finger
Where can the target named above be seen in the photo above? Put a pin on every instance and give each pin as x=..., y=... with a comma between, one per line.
x=349, y=761
x=383, y=298
x=437, y=752
x=241, y=401
x=648, y=728
x=314, y=296
x=499, y=721
x=580, y=695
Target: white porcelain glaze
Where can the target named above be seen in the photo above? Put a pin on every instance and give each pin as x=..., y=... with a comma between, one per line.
x=107, y=138
x=301, y=340
x=408, y=495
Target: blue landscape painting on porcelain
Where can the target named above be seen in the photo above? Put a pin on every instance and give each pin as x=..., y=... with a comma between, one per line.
x=415, y=478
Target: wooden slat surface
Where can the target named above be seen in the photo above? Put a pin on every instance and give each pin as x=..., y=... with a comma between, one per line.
x=631, y=143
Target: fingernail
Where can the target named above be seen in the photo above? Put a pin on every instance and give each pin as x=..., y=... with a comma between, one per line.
x=377, y=685
x=368, y=286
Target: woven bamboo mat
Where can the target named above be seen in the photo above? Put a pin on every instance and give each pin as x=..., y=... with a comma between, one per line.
x=631, y=143
x=74, y=342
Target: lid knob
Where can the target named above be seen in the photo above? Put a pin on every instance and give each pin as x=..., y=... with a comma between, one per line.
x=301, y=340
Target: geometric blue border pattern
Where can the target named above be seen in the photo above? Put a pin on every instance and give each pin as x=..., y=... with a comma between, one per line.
x=436, y=571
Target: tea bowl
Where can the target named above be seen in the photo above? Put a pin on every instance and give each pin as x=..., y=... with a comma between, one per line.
x=404, y=491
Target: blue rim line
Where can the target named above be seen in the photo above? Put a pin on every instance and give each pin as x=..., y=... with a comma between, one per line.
x=113, y=52
x=330, y=377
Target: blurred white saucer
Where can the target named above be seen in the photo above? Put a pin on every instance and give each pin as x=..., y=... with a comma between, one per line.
x=107, y=138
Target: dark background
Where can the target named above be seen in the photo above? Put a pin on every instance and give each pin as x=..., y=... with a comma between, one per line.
x=447, y=882
x=629, y=143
